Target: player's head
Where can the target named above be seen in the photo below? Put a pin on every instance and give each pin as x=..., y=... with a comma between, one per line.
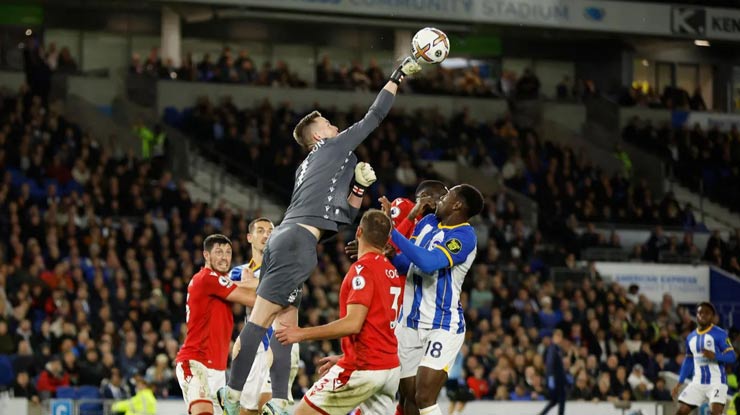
x=313, y=128
x=375, y=229
x=430, y=188
x=463, y=200
x=217, y=253
x=705, y=313
x=259, y=230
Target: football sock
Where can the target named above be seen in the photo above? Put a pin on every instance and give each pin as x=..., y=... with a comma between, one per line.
x=430, y=410
x=280, y=370
x=251, y=339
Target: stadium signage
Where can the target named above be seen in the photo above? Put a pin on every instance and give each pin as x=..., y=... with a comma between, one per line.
x=687, y=284
x=526, y=11
x=610, y=16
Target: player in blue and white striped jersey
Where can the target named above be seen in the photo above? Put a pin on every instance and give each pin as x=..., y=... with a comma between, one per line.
x=436, y=259
x=708, y=350
x=258, y=390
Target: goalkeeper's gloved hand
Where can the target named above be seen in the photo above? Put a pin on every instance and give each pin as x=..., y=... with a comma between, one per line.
x=409, y=66
x=364, y=177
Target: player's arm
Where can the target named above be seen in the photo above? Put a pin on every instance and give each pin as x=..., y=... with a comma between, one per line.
x=350, y=138
x=348, y=325
x=402, y=263
x=687, y=370
x=725, y=353
x=244, y=294
x=427, y=261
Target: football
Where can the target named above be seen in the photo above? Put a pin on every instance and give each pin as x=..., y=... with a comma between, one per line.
x=430, y=45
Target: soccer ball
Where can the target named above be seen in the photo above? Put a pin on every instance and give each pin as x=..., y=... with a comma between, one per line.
x=430, y=45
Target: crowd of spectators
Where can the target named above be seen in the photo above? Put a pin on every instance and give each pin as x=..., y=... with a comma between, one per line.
x=705, y=160
x=672, y=98
x=474, y=80
x=40, y=62
x=97, y=251
x=229, y=68
x=570, y=191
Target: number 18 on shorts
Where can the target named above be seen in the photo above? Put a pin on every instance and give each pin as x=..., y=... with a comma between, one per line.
x=435, y=349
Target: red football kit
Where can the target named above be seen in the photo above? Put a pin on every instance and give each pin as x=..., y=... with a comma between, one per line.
x=400, y=209
x=373, y=282
x=209, y=320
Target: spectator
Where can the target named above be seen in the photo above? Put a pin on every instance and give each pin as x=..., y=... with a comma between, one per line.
x=91, y=368
x=660, y=393
x=478, y=383
x=640, y=384
x=66, y=62
x=113, y=387
x=52, y=377
x=7, y=342
x=23, y=388
x=562, y=90
x=160, y=376
x=581, y=390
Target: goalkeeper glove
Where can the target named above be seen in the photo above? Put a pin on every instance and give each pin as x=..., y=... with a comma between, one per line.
x=364, y=177
x=409, y=66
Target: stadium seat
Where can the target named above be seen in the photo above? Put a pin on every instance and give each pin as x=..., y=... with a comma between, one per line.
x=91, y=393
x=65, y=392
x=6, y=370
x=87, y=392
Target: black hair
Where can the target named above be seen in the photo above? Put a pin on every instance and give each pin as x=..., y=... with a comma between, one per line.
x=215, y=239
x=472, y=198
x=429, y=184
x=708, y=305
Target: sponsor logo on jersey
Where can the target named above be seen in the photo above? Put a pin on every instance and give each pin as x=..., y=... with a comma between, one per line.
x=358, y=282
x=454, y=245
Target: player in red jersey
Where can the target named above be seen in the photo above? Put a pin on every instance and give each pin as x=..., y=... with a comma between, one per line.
x=201, y=362
x=367, y=375
x=405, y=214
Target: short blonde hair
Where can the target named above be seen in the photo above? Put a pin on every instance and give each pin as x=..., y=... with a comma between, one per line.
x=299, y=132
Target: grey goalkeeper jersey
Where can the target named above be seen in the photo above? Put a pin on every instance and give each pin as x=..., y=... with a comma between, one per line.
x=322, y=181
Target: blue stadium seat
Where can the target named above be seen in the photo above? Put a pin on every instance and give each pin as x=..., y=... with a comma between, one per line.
x=89, y=408
x=172, y=117
x=65, y=392
x=7, y=376
x=87, y=392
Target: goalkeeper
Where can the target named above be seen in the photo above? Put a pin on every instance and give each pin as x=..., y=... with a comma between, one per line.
x=323, y=199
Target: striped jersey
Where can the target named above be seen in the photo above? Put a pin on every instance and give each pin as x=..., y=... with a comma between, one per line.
x=236, y=275
x=432, y=301
x=708, y=372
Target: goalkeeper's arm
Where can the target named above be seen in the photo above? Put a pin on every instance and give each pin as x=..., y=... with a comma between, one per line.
x=350, y=138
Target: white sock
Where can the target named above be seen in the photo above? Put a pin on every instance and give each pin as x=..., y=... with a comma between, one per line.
x=430, y=410
x=282, y=403
x=233, y=395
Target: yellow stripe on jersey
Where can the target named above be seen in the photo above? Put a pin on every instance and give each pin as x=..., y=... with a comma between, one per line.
x=705, y=331
x=447, y=254
x=440, y=226
x=253, y=265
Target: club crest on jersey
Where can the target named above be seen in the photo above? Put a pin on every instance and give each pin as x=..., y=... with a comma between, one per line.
x=359, y=268
x=358, y=282
x=454, y=245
